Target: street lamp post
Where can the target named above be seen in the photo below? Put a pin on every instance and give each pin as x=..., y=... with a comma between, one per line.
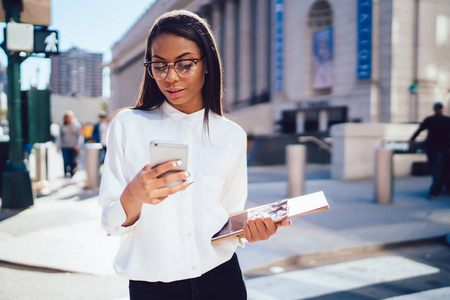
x=16, y=185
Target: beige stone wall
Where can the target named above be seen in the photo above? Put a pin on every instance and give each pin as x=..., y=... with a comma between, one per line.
x=256, y=120
x=86, y=109
x=353, y=156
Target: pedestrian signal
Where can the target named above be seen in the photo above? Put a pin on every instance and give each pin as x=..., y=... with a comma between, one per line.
x=46, y=41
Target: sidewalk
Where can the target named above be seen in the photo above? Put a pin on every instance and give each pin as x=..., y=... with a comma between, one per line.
x=62, y=230
x=354, y=223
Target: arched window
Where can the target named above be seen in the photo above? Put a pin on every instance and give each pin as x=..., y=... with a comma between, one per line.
x=320, y=22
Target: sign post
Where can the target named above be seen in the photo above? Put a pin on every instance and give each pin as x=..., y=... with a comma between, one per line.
x=20, y=41
x=16, y=183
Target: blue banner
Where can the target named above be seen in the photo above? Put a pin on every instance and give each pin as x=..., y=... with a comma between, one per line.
x=323, y=58
x=364, y=20
x=278, y=36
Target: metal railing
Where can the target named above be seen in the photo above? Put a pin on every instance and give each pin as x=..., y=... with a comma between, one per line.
x=322, y=144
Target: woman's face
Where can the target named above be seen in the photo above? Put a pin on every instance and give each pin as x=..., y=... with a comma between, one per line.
x=67, y=118
x=185, y=94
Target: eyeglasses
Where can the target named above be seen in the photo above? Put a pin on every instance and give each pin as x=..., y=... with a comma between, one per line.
x=185, y=68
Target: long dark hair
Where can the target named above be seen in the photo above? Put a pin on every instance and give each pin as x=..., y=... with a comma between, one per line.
x=190, y=26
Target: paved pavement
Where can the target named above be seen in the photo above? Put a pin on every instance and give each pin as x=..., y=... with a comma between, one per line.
x=62, y=230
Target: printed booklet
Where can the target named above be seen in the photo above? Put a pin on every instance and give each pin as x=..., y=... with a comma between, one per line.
x=279, y=211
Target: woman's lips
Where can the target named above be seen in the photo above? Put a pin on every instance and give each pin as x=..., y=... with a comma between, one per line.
x=175, y=93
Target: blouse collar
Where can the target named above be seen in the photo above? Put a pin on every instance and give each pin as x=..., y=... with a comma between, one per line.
x=175, y=113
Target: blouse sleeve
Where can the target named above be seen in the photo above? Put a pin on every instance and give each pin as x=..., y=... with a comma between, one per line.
x=235, y=189
x=236, y=186
x=113, y=183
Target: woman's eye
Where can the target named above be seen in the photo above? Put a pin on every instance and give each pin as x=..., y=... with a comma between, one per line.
x=159, y=67
x=185, y=65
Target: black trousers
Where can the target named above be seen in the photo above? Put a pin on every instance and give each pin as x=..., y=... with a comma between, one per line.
x=436, y=161
x=70, y=156
x=223, y=282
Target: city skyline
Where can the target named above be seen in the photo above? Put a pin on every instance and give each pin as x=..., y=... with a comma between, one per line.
x=95, y=30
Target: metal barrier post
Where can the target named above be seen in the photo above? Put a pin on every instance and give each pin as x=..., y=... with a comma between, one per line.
x=92, y=151
x=383, y=175
x=41, y=161
x=296, y=162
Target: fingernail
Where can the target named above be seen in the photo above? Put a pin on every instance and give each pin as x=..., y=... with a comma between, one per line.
x=177, y=163
x=190, y=181
x=187, y=174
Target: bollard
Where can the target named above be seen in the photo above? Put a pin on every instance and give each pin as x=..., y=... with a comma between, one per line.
x=41, y=161
x=296, y=162
x=92, y=151
x=383, y=175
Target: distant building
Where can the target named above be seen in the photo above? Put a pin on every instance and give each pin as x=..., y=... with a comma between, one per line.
x=299, y=67
x=77, y=73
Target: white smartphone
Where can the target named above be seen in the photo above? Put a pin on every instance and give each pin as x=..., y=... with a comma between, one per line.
x=164, y=151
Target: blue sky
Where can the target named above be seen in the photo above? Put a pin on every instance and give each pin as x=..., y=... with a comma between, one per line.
x=91, y=25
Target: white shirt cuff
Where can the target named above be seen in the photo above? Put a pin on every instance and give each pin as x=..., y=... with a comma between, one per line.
x=113, y=217
x=242, y=242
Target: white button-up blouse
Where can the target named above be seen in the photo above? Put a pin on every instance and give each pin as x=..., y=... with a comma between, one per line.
x=172, y=240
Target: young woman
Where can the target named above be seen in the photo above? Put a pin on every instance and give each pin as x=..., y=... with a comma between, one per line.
x=71, y=139
x=166, y=249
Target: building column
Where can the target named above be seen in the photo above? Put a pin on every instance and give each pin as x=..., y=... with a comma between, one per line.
x=375, y=82
x=245, y=54
x=237, y=56
x=261, y=49
x=229, y=54
x=427, y=64
x=217, y=15
x=323, y=120
x=300, y=122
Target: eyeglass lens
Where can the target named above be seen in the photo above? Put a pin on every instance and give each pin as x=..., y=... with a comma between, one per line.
x=184, y=68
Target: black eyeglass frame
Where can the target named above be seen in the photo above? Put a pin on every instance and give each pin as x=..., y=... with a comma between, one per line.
x=148, y=64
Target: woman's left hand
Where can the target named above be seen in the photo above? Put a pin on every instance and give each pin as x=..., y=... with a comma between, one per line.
x=261, y=228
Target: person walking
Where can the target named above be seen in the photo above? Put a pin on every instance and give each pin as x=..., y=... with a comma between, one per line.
x=166, y=232
x=437, y=145
x=98, y=135
x=70, y=139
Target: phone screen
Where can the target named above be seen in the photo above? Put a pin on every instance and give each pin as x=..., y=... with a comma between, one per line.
x=164, y=151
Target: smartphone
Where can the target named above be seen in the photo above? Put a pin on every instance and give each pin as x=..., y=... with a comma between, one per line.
x=164, y=151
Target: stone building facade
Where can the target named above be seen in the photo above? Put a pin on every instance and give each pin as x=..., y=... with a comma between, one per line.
x=301, y=66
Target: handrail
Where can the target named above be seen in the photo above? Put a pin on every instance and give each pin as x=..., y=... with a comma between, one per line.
x=318, y=142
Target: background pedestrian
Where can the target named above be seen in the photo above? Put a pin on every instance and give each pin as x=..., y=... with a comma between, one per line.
x=71, y=139
x=437, y=145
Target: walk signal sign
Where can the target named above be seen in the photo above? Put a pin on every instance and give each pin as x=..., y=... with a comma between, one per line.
x=46, y=41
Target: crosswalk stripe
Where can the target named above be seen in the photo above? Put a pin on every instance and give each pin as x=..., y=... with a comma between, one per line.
x=436, y=294
x=334, y=278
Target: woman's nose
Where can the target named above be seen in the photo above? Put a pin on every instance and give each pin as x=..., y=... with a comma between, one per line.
x=172, y=75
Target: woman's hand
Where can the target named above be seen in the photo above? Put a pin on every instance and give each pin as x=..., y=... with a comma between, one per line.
x=146, y=187
x=261, y=228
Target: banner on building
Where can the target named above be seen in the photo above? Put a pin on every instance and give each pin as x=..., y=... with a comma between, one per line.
x=279, y=9
x=364, y=20
x=323, y=58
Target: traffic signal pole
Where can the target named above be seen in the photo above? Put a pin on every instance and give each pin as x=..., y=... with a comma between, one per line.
x=16, y=185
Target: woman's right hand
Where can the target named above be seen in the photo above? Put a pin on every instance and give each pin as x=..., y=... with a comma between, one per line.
x=146, y=187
